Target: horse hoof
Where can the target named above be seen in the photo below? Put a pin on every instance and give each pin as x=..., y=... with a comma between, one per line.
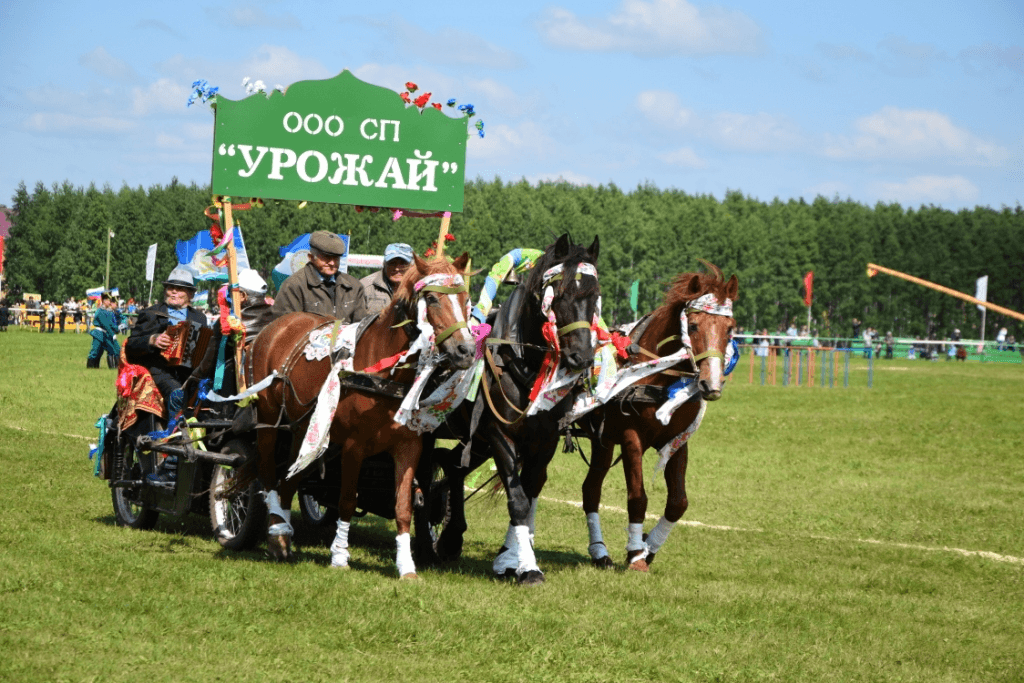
x=603, y=562
x=411, y=576
x=639, y=566
x=533, y=577
x=279, y=548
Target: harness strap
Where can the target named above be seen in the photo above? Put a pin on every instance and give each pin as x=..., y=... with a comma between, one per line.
x=580, y=324
x=666, y=340
x=710, y=353
x=441, y=336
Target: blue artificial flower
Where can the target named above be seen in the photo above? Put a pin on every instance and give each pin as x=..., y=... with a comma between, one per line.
x=451, y=102
x=468, y=108
x=479, y=125
x=480, y=132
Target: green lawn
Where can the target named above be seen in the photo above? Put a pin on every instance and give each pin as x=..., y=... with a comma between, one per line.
x=844, y=535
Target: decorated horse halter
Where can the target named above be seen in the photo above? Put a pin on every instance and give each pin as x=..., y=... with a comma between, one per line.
x=704, y=304
x=553, y=275
x=452, y=285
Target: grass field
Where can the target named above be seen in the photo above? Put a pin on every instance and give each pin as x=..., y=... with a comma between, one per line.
x=833, y=535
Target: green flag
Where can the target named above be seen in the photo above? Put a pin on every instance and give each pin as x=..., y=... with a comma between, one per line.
x=634, y=295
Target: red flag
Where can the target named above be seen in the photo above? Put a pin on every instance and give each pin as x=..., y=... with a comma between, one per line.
x=809, y=286
x=1, y=255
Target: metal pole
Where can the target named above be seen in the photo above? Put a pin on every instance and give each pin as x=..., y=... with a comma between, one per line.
x=106, y=279
x=846, y=369
x=871, y=370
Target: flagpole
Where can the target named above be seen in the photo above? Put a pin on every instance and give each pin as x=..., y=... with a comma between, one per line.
x=944, y=290
x=236, y=296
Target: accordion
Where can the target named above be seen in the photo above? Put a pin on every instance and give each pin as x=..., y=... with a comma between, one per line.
x=188, y=344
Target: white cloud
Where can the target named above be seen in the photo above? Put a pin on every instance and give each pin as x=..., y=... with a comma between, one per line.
x=252, y=16
x=991, y=56
x=926, y=189
x=105, y=64
x=524, y=142
x=272, y=64
x=759, y=132
x=165, y=141
x=164, y=96
x=655, y=28
x=570, y=177
x=905, y=134
x=60, y=123
x=900, y=57
x=684, y=156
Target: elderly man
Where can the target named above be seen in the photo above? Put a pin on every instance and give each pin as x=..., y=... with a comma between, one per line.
x=319, y=287
x=149, y=336
x=380, y=286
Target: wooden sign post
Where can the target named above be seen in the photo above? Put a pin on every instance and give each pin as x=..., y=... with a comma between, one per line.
x=236, y=296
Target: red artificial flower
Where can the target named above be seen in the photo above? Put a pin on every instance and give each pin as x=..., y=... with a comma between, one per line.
x=449, y=237
x=422, y=100
x=428, y=252
x=436, y=105
x=412, y=87
x=405, y=97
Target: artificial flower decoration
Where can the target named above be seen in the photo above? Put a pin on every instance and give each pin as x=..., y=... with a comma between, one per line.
x=411, y=87
x=422, y=100
x=405, y=97
x=452, y=102
x=436, y=105
x=201, y=91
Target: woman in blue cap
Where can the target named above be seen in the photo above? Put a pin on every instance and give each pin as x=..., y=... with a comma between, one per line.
x=378, y=287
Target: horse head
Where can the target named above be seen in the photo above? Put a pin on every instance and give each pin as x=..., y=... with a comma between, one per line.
x=436, y=292
x=708, y=299
x=567, y=293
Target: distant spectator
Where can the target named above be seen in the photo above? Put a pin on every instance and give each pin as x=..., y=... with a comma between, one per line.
x=1001, y=339
x=4, y=315
x=889, y=343
x=763, y=345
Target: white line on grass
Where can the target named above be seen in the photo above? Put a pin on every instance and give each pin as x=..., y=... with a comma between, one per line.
x=39, y=431
x=909, y=546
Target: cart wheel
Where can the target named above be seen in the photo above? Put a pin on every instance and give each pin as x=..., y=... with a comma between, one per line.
x=437, y=539
x=239, y=521
x=316, y=515
x=129, y=511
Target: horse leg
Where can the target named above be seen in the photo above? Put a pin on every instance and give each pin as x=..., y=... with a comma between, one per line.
x=675, y=506
x=600, y=463
x=516, y=556
x=279, y=508
x=351, y=463
x=632, y=467
x=406, y=456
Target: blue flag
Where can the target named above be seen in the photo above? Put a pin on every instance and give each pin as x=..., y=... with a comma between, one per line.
x=294, y=257
x=194, y=256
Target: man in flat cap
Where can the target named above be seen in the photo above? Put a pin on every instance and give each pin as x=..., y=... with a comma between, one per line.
x=149, y=336
x=380, y=286
x=319, y=287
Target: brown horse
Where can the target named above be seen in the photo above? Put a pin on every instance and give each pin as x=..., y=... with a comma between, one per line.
x=363, y=423
x=629, y=420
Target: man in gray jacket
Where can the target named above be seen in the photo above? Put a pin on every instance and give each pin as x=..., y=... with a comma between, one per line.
x=319, y=287
x=380, y=286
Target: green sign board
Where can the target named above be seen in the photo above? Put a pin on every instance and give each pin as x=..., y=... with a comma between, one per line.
x=339, y=140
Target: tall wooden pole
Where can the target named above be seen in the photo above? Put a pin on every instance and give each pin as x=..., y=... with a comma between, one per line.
x=944, y=290
x=445, y=222
x=236, y=296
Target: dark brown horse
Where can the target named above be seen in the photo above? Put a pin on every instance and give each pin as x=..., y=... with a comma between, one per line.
x=520, y=443
x=363, y=423
x=630, y=421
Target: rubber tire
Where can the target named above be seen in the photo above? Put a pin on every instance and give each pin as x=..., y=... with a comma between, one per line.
x=315, y=515
x=127, y=512
x=430, y=521
x=240, y=522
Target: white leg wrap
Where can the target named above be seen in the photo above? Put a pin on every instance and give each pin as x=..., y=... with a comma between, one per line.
x=404, y=559
x=510, y=558
x=273, y=501
x=659, y=534
x=339, y=548
x=635, y=540
x=597, y=547
x=527, y=560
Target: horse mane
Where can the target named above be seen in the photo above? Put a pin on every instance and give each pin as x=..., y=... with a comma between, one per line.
x=711, y=281
x=577, y=254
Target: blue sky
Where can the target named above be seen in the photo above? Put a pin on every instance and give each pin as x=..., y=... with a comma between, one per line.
x=909, y=101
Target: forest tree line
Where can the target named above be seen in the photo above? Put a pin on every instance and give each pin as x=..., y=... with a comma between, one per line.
x=58, y=246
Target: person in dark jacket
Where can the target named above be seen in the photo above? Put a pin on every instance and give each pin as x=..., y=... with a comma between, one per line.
x=319, y=287
x=149, y=336
x=104, y=334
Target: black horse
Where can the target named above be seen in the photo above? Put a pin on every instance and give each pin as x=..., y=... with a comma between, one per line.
x=520, y=349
